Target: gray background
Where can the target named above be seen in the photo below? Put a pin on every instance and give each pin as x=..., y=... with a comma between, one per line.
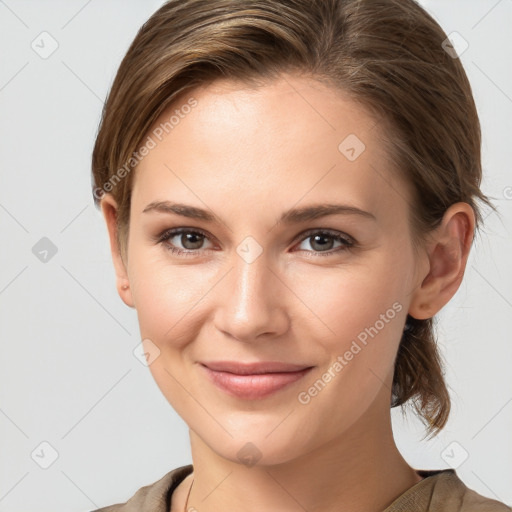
x=68, y=373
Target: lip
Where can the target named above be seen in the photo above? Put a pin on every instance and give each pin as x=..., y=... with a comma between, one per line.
x=253, y=381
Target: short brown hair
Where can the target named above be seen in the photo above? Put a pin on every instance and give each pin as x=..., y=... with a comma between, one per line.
x=388, y=55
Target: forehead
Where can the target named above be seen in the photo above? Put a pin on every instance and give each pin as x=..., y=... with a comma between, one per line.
x=293, y=137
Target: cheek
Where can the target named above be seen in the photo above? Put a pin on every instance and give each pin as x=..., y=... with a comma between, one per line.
x=359, y=327
x=360, y=312
x=170, y=314
x=168, y=297
x=344, y=301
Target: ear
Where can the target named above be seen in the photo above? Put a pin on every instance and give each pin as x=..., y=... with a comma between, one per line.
x=109, y=210
x=448, y=251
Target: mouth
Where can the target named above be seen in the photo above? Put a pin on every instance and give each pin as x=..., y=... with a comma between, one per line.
x=253, y=381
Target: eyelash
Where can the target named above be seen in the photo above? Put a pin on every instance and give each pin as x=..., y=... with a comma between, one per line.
x=348, y=242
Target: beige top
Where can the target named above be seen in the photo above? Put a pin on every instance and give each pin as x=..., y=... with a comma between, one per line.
x=440, y=490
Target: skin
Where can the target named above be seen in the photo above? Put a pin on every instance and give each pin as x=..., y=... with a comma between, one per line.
x=247, y=155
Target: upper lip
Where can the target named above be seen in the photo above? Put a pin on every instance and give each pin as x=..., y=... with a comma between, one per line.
x=253, y=368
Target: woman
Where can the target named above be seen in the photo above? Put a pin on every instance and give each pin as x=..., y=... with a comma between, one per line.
x=290, y=189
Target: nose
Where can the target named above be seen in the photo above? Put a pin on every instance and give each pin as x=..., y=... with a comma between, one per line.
x=252, y=304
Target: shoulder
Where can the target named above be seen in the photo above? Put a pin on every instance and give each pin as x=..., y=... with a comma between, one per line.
x=154, y=497
x=453, y=491
x=443, y=491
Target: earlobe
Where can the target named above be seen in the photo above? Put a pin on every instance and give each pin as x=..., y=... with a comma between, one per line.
x=448, y=253
x=109, y=210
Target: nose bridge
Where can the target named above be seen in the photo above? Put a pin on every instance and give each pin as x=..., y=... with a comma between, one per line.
x=252, y=283
x=251, y=304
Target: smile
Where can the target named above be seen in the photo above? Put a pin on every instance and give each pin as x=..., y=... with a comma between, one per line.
x=253, y=386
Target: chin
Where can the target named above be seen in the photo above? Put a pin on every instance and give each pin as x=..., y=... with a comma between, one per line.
x=257, y=446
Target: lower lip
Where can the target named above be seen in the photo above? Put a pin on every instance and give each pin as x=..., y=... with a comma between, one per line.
x=255, y=386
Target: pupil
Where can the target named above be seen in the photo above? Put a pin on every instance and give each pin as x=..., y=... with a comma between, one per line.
x=316, y=237
x=185, y=240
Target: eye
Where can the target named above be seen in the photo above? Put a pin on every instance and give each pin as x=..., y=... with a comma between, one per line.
x=192, y=241
x=322, y=241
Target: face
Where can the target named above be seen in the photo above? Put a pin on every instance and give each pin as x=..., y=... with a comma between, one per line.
x=243, y=283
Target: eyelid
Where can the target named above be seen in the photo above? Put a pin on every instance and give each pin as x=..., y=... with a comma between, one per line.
x=167, y=233
x=349, y=241
x=325, y=231
x=304, y=234
x=164, y=237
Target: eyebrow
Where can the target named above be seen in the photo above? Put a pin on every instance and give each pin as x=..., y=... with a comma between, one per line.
x=291, y=216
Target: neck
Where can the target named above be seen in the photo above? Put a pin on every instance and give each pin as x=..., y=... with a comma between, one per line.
x=361, y=470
